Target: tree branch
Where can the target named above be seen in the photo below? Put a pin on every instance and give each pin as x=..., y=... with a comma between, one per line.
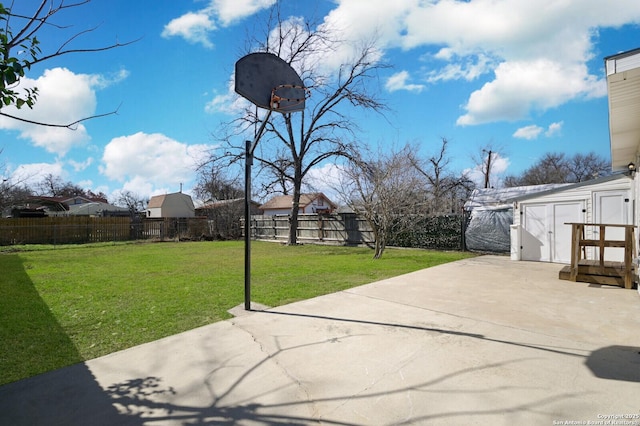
x=70, y=126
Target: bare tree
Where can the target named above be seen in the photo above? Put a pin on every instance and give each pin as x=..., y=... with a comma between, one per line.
x=295, y=143
x=132, y=201
x=53, y=186
x=388, y=190
x=214, y=183
x=558, y=168
x=20, y=49
x=12, y=190
x=447, y=191
x=587, y=166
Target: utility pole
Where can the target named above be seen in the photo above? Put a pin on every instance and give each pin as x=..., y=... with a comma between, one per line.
x=488, y=171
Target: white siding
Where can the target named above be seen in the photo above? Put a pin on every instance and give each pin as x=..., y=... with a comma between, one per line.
x=154, y=212
x=537, y=218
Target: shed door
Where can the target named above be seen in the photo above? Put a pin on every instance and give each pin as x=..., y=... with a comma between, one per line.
x=562, y=214
x=612, y=207
x=534, y=238
x=545, y=237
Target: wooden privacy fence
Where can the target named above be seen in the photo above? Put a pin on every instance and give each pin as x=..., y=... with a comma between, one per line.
x=84, y=229
x=440, y=232
x=342, y=229
x=63, y=230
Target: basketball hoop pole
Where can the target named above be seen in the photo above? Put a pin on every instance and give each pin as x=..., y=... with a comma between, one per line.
x=259, y=76
x=250, y=148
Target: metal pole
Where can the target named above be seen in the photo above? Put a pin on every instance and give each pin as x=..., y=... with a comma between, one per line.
x=247, y=226
x=249, y=147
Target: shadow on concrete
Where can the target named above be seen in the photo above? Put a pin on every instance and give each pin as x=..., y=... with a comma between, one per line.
x=67, y=396
x=142, y=398
x=561, y=351
x=616, y=363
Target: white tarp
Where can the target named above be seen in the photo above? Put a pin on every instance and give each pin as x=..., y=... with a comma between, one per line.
x=491, y=215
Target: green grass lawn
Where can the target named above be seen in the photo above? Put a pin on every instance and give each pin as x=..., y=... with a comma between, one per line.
x=62, y=305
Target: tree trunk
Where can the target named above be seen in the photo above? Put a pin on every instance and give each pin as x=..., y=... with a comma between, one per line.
x=381, y=244
x=295, y=207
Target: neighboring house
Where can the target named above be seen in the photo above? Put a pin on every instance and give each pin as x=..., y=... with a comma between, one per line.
x=71, y=206
x=309, y=203
x=176, y=204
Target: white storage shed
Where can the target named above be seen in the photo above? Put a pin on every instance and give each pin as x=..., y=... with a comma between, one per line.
x=539, y=231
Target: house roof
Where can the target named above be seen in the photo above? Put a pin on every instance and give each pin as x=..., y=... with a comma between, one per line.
x=54, y=203
x=158, y=200
x=284, y=201
x=623, y=87
x=62, y=203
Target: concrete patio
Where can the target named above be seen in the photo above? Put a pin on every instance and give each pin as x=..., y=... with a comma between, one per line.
x=485, y=341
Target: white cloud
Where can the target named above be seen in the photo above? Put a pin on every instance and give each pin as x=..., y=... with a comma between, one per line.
x=151, y=163
x=230, y=11
x=63, y=98
x=193, y=27
x=32, y=174
x=80, y=165
x=398, y=81
x=467, y=69
x=534, y=131
x=536, y=50
x=554, y=129
x=528, y=132
x=100, y=81
x=227, y=103
x=522, y=86
x=532, y=55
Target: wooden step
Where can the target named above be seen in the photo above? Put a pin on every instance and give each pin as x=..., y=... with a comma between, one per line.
x=617, y=280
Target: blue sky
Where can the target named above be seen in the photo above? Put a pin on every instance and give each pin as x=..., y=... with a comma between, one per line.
x=522, y=77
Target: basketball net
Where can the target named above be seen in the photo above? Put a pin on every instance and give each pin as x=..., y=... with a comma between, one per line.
x=279, y=102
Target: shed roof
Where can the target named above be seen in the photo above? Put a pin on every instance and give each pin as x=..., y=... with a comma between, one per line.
x=157, y=201
x=484, y=197
x=573, y=186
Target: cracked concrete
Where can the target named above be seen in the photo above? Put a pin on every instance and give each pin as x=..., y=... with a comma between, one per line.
x=479, y=341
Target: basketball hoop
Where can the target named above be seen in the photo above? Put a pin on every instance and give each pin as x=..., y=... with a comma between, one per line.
x=270, y=83
x=288, y=97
